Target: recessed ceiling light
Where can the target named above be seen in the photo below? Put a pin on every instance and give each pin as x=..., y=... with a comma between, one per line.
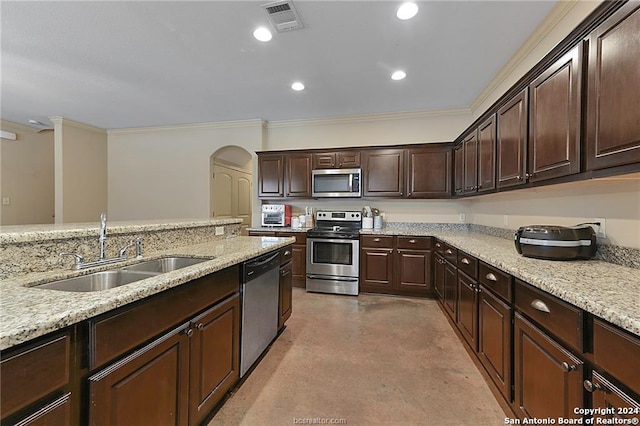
x=297, y=86
x=407, y=11
x=262, y=34
x=398, y=75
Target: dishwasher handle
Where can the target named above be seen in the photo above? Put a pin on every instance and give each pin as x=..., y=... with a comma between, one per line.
x=256, y=267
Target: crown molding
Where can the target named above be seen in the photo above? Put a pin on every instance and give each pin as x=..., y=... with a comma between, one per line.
x=76, y=124
x=369, y=118
x=203, y=126
x=18, y=126
x=559, y=11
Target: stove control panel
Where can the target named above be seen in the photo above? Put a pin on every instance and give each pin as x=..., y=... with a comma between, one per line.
x=338, y=216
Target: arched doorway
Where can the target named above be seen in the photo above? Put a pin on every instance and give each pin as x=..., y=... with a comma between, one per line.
x=230, y=186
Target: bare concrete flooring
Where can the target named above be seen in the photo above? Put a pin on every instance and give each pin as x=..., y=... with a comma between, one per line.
x=366, y=360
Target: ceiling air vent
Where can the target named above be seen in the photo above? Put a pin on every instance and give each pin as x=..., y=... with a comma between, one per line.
x=283, y=16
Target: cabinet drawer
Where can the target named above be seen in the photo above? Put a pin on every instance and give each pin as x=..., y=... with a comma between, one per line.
x=468, y=264
x=617, y=352
x=377, y=241
x=451, y=254
x=496, y=280
x=34, y=372
x=438, y=246
x=558, y=317
x=414, y=243
x=116, y=333
x=285, y=255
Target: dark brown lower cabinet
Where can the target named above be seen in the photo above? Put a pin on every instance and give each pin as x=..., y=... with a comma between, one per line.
x=285, y=300
x=214, y=357
x=150, y=386
x=58, y=413
x=376, y=270
x=450, y=299
x=547, y=377
x=414, y=271
x=438, y=276
x=467, y=317
x=494, y=340
x=611, y=402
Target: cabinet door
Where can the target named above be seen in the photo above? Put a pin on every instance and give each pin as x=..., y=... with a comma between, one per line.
x=298, y=176
x=554, y=130
x=612, y=402
x=348, y=159
x=383, y=173
x=298, y=257
x=450, y=290
x=376, y=270
x=324, y=160
x=458, y=178
x=414, y=272
x=467, y=318
x=57, y=413
x=214, y=357
x=151, y=386
x=487, y=155
x=470, y=143
x=547, y=378
x=284, y=303
x=613, y=128
x=512, y=141
x=429, y=173
x=494, y=340
x=270, y=175
x=438, y=276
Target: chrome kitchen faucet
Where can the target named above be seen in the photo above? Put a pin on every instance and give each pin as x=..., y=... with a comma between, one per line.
x=102, y=259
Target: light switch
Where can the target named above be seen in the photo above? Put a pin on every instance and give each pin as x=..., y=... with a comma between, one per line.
x=6, y=201
x=219, y=230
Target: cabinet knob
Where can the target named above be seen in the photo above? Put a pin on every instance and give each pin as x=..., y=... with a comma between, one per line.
x=527, y=175
x=377, y=240
x=199, y=326
x=539, y=305
x=568, y=368
x=519, y=177
x=287, y=253
x=479, y=186
x=438, y=245
x=188, y=332
x=590, y=386
x=412, y=241
x=464, y=260
x=448, y=251
x=491, y=277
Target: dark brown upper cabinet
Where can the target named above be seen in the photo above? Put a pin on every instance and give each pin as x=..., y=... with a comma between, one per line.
x=613, y=95
x=429, y=172
x=487, y=155
x=470, y=143
x=458, y=178
x=298, y=176
x=336, y=160
x=383, y=171
x=271, y=175
x=512, y=141
x=554, y=119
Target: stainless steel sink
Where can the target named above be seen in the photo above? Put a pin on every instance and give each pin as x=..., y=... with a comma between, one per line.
x=97, y=281
x=165, y=264
x=121, y=276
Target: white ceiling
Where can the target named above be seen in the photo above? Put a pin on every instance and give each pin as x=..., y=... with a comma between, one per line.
x=144, y=63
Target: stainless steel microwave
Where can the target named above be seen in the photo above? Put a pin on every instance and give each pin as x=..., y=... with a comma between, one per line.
x=336, y=183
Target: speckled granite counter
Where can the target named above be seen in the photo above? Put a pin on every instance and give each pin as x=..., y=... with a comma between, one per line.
x=278, y=229
x=609, y=291
x=26, y=313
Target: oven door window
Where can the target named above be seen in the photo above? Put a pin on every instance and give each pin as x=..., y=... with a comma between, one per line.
x=325, y=252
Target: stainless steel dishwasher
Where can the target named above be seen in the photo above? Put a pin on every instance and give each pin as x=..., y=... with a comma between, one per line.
x=260, y=295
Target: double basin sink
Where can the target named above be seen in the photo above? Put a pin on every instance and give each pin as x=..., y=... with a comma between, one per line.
x=125, y=275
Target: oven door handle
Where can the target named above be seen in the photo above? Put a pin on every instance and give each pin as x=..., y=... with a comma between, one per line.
x=331, y=278
x=332, y=240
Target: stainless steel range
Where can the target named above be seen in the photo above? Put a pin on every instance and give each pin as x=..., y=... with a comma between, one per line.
x=333, y=253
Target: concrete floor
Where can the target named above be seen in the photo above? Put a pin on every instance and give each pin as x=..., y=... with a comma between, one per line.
x=366, y=360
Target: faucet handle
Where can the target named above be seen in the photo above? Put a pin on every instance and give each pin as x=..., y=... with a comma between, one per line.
x=123, y=250
x=79, y=259
x=138, y=247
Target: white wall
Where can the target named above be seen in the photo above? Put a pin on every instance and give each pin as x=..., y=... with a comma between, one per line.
x=163, y=172
x=80, y=171
x=26, y=176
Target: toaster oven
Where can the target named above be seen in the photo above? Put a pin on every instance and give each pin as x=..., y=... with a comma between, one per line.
x=276, y=215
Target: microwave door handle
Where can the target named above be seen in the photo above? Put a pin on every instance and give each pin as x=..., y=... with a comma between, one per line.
x=350, y=182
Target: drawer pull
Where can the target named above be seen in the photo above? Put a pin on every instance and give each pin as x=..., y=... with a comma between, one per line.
x=590, y=386
x=438, y=245
x=448, y=251
x=539, y=305
x=465, y=261
x=491, y=277
x=568, y=368
x=377, y=240
x=412, y=241
x=287, y=253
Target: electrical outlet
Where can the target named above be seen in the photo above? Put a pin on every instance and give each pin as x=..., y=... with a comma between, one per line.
x=505, y=219
x=462, y=217
x=219, y=230
x=601, y=231
x=6, y=201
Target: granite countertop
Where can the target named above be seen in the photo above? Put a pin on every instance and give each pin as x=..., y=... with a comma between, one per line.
x=28, y=233
x=26, y=313
x=278, y=229
x=604, y=289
